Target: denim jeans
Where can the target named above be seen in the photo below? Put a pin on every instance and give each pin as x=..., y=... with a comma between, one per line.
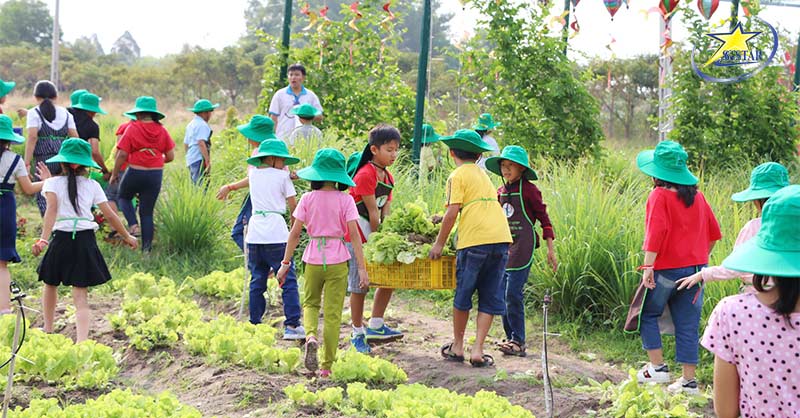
x=685, y=311
x=514, y=319
x=197, y=171
x=237, y=233
x=261, y=259
x=147, y=185
x=481, y=268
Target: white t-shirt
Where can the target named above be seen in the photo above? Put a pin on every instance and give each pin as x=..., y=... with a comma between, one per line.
x=89, y=193
x=489, y=140
x=5, y=163
x=269, y=189
x=283, y=102
x=61, y=116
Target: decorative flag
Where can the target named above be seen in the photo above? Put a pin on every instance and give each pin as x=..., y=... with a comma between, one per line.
x=358, y=15
x=667, y=7
x=707, y=7
x=312, y=17
x=612, y=6
x=575, y=27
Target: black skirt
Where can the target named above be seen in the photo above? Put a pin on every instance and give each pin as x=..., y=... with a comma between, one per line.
x=73, y=262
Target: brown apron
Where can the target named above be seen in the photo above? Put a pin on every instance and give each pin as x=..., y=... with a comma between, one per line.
x=525, y=239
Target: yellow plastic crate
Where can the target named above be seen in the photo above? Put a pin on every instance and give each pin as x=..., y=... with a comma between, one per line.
x=424, y=274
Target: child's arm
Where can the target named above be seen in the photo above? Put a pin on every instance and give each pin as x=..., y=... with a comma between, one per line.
x=551, y=254
x=448, y=222
x=222, y=194
x=292, y=203
x=386, y=210
x=372, y=208
x=726, y=389
x=291, y=246
x=47, y=225
x=119, y=161
x=204, y=152
x=363, y=279
x=113, y=219
x=29, y=187
x=648, y=278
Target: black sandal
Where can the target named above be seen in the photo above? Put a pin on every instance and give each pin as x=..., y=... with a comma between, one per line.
x=448, y=354
x=512, y=348
x=488, y=361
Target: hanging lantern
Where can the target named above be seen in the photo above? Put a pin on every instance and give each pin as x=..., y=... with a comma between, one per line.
x=668, y=7
x=612, y=6
x=707, y=7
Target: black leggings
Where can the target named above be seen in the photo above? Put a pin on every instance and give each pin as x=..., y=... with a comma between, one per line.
x=147, y=185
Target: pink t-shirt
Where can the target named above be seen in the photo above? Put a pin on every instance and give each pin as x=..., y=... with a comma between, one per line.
x=765, y=350
x=716, y=273
x=325, y=214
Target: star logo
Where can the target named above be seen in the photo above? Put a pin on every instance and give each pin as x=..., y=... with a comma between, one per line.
x=733, y=43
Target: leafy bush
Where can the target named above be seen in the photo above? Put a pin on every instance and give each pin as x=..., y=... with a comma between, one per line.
x=118, y=403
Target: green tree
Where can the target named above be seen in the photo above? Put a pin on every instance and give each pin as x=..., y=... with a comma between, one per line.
x=25, y=21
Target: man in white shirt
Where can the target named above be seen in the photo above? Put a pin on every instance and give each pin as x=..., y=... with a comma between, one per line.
x=287, y=98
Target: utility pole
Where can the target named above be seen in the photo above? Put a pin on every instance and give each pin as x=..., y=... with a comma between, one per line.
x=566, y=26
x=54, y=75
x=797, y=67
x=734, y=13
x=422, y=77
x=287, y=28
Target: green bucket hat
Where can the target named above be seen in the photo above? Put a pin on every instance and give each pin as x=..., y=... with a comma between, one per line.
x=466, y=140
x=775, y=250
x=429, y=136
x=486, y=122
x=514, y=154
x=272, y=148
x=259, y=129
x=75, y=97
x=329, y=165
x=6, y=87
x=352, y=163
x=667, y=162
x=7, y=131
x=145, y=104
x=203, y=105
x=90, y=103
x=765, y=180
x=306, y=111
x=74, y=151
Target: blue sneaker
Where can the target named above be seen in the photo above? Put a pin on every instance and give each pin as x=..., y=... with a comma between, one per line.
x=296, y=333
x=359, y=341
x=383, y=334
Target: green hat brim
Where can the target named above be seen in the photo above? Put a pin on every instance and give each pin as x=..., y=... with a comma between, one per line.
x=12, y=137
x=646, y=163
x=315, y=174
x=132, y=113
x=95, y=109
x=493, y=165
x=749, y=194
x=750, y=257
x=6, y=87
x=431, y=139
x=316, y=113
x=86, y=162
x=458, y=143
x=253, y=134
x=256, y=159
x=203, y=109
x=484, y=127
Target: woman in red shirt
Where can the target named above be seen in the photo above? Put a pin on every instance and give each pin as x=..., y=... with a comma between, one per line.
x=145, y=147
x=680, y=232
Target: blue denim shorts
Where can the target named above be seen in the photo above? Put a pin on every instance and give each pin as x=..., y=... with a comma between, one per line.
x=481, y=268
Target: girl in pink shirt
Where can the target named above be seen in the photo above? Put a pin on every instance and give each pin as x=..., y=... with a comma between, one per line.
x=327, y=214
x=765, y=180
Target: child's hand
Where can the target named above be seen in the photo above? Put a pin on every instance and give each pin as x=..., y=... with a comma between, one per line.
x=38, y=247
x=648, y=279
x=223, y=191
x=690, y=281
x=113, y=179
x=131, y=241
x=363, y=278
x=42, y=171
x=281, y=274
x=293, y=175
x=551, y=258
x=436, y=251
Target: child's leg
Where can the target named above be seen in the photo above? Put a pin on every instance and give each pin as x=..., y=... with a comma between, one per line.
x=259, y=271
x=312, y=300
x=80, y=295
x=49, y=299
x=514, y=319
x=289, y=293
x=5, y=291
x=357, y=294
x=652, y=308
x=126, y=191
x=468, y=265
x=686, y=313
x=490, y=294
x=148, y=196
x=237, y=233
x=379, y=304
x=335, y=288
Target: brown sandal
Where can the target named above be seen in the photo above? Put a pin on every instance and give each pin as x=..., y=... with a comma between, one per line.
x=513, y=348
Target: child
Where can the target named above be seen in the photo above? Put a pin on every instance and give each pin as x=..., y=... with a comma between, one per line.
x=84, y=111
x=112, y=190
x=755, y=336
x=197, y=141
x=73, y=258
x=12, y=171
x=306, y=133
x=523, y=206
x=259, y=129
x=427, y=160
x=5, y=88
x=680, y=231
x=482, y=247
x=765, y=180
x=484, y=128
x=270, y=189
x=373, y=197
x=327, y=214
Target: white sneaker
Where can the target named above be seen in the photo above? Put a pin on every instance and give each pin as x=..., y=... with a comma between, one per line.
x=685, y=386
x=650, y=374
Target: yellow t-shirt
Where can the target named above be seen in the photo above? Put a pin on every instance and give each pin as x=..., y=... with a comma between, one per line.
x=482, y=220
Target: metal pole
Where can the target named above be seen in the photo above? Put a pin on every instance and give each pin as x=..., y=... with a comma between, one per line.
x=734, y=13
x=797, y=67
x=548, y=388
x=54, y=76
x=566, y=26
x=664, y=78
x=422, y=77
x=287, y=29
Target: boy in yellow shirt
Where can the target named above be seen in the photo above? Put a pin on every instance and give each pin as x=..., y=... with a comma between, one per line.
x=482, y=246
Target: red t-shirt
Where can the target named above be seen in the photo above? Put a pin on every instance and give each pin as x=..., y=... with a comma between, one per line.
x=681, y=236
x=366, y=180
x=146, y=144
x=122, y=128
